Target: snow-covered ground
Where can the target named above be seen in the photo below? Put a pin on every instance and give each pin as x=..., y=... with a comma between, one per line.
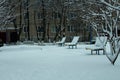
x=32, y=62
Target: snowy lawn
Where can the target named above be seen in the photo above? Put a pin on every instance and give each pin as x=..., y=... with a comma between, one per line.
x=32, y=62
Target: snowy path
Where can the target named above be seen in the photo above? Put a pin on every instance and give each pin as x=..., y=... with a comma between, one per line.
x=24, y=62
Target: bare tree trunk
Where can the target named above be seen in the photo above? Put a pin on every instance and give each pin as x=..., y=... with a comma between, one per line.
x=44, y=21
x=58, y=33
x=35, y=25
x=16, y=30
x=48, y=30
x=28, y=27
x=20, y=30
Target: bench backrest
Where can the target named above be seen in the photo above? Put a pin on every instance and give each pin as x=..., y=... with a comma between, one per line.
x=75, y=39
x=101, y=41
x=63, y=40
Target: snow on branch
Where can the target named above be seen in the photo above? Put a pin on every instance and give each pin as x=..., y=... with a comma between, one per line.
x=106, y=18
x=108, y=4
x=1, y=2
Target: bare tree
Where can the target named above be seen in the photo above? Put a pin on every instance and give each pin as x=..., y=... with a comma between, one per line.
x=105, y=19
x=8, y=14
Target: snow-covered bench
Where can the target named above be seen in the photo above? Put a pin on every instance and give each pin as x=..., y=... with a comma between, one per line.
x=61, y=43
x=74, y=42
x=99, y=45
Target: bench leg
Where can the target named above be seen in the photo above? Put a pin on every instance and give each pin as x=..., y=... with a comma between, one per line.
x=103, y=51
x=69, y=46
x=76, y=46
x=98, y=52
x=91, y=52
